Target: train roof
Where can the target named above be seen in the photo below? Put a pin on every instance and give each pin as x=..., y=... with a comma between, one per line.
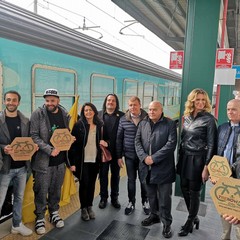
x=27, y=27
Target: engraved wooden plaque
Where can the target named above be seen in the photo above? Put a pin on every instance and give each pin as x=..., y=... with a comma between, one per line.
x=23, y=148
x=62, y=139
x=226, y=196
x=219, y=167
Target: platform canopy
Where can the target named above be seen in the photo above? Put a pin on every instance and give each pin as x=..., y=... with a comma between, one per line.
x=167, y=20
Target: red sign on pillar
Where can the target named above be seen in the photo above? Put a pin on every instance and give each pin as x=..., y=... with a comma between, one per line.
x=224, y=57
x=176, y=60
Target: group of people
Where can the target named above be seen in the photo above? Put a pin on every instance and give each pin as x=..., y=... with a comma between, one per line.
x=146, y=141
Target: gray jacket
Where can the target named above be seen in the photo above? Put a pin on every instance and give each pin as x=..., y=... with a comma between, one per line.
x=5, y=159
x=40, y=131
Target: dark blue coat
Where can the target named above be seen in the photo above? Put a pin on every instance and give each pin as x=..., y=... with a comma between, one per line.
x=161, y=138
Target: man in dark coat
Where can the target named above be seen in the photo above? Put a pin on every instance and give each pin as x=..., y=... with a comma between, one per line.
x=155, y=143
x=110, y=116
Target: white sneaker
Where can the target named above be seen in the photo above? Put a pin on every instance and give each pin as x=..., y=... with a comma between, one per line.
x=22, y=229
x=55, y=219
x=40, y=226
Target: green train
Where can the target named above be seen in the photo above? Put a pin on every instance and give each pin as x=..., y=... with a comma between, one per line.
x=36, y=53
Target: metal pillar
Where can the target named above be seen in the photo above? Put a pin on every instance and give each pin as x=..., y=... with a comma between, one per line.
x=200, y=52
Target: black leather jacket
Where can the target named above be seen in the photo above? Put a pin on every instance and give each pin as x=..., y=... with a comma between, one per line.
x=199, y=135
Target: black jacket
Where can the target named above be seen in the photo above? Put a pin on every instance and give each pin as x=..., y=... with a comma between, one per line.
x=76, y=153
x=126, y=136
x=161, y=138
x=111, y=139
x=199, y=136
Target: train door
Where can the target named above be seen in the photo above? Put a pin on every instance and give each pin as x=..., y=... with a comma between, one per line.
x=62, y=79
x=100, y=86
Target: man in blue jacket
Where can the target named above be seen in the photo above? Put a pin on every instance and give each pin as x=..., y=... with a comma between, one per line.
x=127, y=129
x=155, y=143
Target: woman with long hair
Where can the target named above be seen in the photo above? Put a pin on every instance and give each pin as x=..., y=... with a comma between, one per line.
x=85, y=156
x=197, y=146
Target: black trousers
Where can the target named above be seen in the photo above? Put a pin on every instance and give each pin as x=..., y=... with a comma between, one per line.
x=160, y=200
x=87, y=184
x=115, y=177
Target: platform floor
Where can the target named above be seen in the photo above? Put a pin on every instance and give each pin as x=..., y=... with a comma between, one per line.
x=75, y=228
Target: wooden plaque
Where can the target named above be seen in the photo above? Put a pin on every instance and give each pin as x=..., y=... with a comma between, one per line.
x=23, y=148
x=62, y=139
x=219, y=167
x=226, y=196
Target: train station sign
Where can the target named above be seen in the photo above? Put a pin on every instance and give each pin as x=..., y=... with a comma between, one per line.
x=176, y=60
x=224, y=57
x=237, y=67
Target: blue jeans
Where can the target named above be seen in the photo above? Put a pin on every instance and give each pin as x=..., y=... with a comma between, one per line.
x=18, y=177
x=132, y=171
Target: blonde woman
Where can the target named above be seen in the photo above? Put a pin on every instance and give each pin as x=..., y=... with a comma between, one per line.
x=198, y=144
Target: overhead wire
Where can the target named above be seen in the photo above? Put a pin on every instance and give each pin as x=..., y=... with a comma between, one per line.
x=103, y=29
x=125, y=26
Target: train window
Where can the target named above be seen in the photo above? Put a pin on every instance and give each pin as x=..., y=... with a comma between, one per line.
x=170, y=96
x=177, y=93
x=148, y=94
x=162, y=94
x=130, y=88
x=63, y=79
x=100, y=86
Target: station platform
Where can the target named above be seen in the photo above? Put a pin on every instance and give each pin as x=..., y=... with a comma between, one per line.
x=117, y=226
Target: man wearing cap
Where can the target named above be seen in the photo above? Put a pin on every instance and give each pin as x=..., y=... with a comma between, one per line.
x=49, y=163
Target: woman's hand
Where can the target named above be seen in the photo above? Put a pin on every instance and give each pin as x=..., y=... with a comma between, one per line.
x=73, y=168
x=205, y=174
x=103, y=143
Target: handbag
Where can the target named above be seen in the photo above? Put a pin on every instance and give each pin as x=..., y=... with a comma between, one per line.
x=106, y=154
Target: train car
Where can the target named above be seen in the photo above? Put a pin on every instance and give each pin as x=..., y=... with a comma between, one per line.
x=36, y=53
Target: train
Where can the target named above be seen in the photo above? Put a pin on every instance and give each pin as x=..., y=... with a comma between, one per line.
x=37, y=53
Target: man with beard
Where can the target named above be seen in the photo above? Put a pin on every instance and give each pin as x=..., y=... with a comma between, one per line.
x=110, y=115
x=13, y=124
x=48, y=165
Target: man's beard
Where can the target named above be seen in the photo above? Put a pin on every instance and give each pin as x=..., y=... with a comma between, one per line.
x=52, y=109
x=11, y=110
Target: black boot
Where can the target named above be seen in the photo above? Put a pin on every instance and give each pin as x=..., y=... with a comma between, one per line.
x=187, y=228
x=194, y=207
x=192, y=217
x=186, y=196
x=196, y=222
